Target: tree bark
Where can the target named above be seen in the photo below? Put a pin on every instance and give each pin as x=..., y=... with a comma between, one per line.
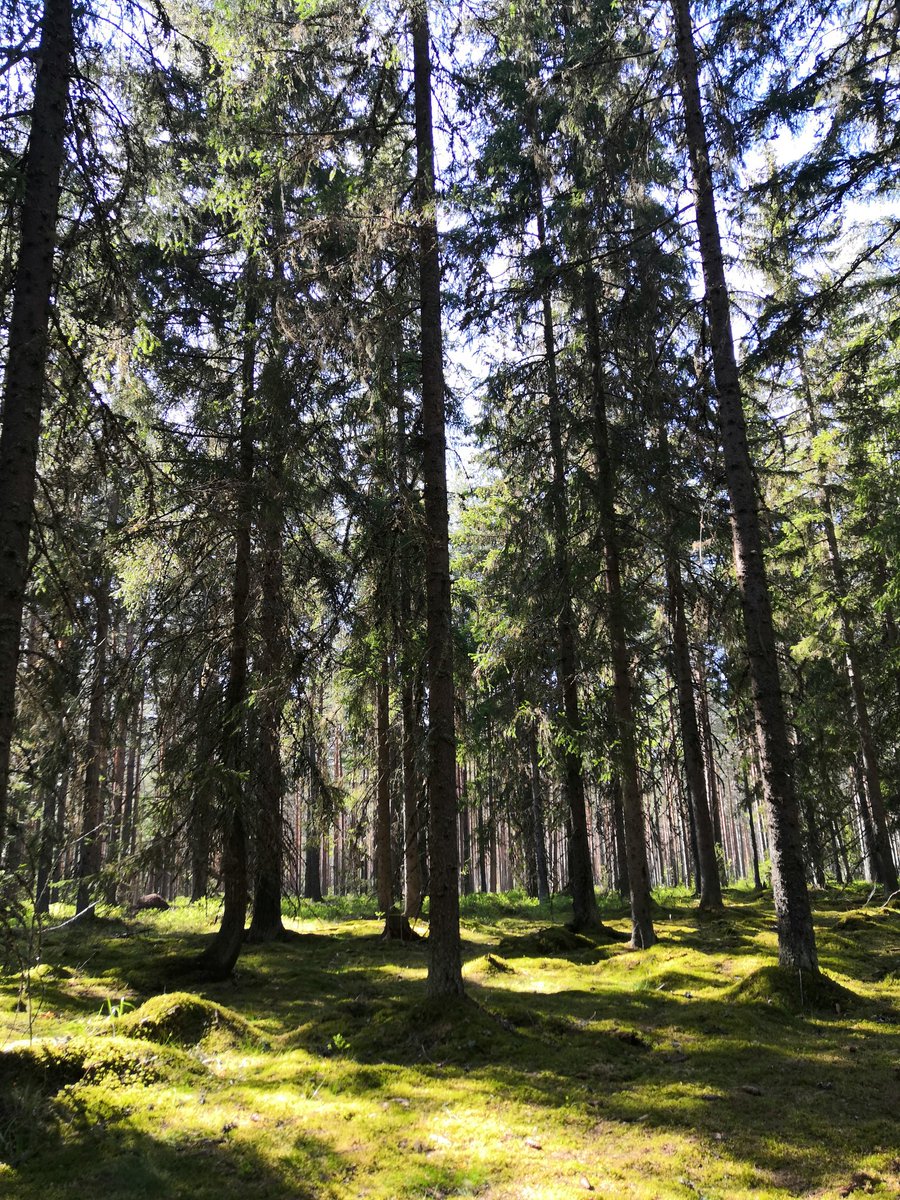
x=702, y=828
x=91, y=845
x=642, y=931
x=219, y=958
x=796, y=938
x=266, y=924
x=445, y=953
x=585, y=914
x=537, y=818
x=27, y=352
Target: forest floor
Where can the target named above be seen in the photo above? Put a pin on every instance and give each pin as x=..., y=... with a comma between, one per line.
x=691, y=1070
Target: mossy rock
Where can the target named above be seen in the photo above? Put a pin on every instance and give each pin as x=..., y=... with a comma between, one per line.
x=791, y=992
x=184, y=1019
x=54, y=1063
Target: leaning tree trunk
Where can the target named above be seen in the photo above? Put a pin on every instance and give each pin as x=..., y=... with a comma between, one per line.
x=445, y=954
x=642, y=931
x=220, y=956
x=27, y=352
x=796, y=938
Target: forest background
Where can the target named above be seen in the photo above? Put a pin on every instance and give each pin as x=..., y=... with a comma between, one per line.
x=251, y=644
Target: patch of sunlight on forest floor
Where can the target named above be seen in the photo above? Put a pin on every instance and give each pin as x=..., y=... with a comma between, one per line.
x=690, y=1070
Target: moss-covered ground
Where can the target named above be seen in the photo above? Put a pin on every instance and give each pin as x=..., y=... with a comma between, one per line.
x=691, y=1070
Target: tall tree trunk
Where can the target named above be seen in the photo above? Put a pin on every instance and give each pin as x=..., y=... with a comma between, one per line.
x=585, y=914
x=27, y=352
x=796, y=938
x=445, y=953
x=220, y=956
x=266, y=924
x=642, y=931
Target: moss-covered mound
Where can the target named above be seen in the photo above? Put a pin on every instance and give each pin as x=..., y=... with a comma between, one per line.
x=184, y=1019
x=792, y=991
x=51, y=1064
x=550, y=941
x=865, y=918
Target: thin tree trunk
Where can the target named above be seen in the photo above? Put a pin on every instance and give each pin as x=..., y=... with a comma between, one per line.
x=384, y=873
x=27, y=352
x=89, y=859
x=702, y=828
x=222, y=953
x=886, y=868
x=796, y=937
x=537, y=818
x=445, y=953
x=266, y=924
x=642, y=931
x=585, y=914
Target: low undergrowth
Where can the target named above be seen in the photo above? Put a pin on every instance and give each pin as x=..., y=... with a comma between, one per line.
x=695, y=1069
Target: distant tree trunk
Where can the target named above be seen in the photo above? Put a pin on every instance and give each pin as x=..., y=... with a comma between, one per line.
x=91, y=845
x=384, y=872
x=312, y=884
x=748, y=801
x=203, y=799
x=445, y=953
x=220, y=956
x=54, y=804
x=411, y=795
x=537, y=817
x=885, y=866
x=642, y=931
x=796, y=938
x=27, y=343
x=701, y=824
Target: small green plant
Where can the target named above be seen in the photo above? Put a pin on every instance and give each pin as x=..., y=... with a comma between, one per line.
x=338, y=1044
x=113, y=1009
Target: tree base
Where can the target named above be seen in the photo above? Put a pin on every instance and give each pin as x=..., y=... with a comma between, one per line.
x=398, y=929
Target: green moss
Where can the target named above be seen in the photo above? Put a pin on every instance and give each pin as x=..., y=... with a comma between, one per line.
x=50, y=1065
x=794, y=991
x=664, y=1074
x=186, y=1020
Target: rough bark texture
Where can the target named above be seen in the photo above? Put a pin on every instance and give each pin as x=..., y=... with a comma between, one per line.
x=27, y=356
x=221, y=954
x=796, y=939
x=642, y=931
x=445, y=956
